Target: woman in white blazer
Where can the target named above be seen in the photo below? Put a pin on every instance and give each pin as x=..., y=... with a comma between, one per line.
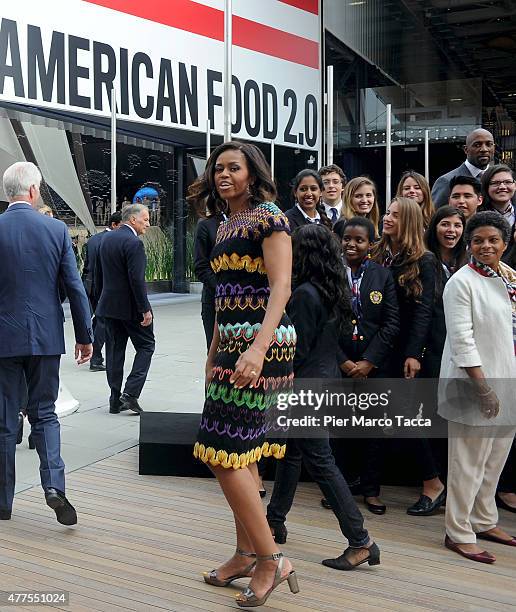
x=476, y=391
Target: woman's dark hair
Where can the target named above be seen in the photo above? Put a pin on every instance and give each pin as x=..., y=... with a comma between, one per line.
x=296, y=181
x=487, y=218
x=203, y=194
x=459, y=250
x=487, y=177
x=340, y=227
x=316, y=254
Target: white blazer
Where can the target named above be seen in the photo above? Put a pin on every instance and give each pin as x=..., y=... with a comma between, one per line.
x=478, y=316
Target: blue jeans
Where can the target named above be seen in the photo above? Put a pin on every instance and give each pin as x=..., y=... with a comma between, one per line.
x=319, y=461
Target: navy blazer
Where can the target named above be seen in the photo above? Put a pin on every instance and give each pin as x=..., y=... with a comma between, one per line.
x=380, y=322
x=205, y=237
x=36, y=253
x=317, y=340
x=120, y=276
x=91, y=254
x=296, y=218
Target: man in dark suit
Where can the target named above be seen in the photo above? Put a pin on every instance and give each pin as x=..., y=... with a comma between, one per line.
x=205, y=237
x=123, y=303
x=37, y=253
x=479, y=149
x=91, y=253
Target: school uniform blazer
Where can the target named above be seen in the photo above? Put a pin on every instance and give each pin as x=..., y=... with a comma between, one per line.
x=380, y=322
x=296, y=218
x=478, y=316
x=415, y=314
x=317, y=343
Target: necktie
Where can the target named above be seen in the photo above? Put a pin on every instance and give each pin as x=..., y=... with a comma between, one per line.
x=333, y=216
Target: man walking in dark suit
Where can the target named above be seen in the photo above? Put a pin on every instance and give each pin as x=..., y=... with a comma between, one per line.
x=36, y=252
x=479, y=149
x=91, y=253
x=125, y=308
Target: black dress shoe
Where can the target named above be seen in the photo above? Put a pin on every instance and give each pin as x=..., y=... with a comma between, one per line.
x=425, y=506
x=65, y=512
x=5, y=515
x=130, y=402
x=501, y=504
x=97, y=367
x=343, y=563
x=375, y=508
x=19, y=436
x=325, y=503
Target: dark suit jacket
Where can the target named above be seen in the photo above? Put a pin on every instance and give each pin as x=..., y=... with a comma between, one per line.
x=295, y=218
x=36, y=252
x=441, y=188
x=317, y=340
x=121, y=290
x=415, y=315
x=91, y=253
x=205, y=236
x=380, y=322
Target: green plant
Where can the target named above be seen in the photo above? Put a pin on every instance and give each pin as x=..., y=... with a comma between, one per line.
x=160, y=255
x=190, y=240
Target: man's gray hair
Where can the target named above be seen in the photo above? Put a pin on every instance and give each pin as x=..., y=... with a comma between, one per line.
x=132, y=211
x=19, y=178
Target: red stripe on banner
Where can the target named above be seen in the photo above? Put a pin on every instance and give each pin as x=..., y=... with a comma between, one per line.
x=206, y=21
x=311, y=6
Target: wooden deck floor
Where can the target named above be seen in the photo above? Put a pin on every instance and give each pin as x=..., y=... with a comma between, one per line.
x=142, y=543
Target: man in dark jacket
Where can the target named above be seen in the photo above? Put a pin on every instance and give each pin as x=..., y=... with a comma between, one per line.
x=91, y=253
x=37, y=253
x=122, y=302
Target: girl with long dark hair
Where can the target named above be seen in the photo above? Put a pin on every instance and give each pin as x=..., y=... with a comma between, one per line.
x=307, y=188
x=320, y=310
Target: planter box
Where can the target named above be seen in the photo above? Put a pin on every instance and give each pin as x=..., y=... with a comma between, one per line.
x=160, y=286
x=196, y=287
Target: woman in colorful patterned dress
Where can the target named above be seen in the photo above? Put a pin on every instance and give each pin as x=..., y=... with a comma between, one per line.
x=250, y=358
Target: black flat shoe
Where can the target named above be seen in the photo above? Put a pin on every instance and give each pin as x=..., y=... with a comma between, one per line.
x=65, y=512
x=325, y=503
x=19, y=436
x=425, y=506
x=342, y=562
x=5, y=515
x=262, y=492
x=375, y=508
x=501, y=504
x=279, y=533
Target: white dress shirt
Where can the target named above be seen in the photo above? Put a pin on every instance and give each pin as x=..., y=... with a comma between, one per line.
x=316, y=219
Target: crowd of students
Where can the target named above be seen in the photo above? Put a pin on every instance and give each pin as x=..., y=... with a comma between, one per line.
x=419, y=283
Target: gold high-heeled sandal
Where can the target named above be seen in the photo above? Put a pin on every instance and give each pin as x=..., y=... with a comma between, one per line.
x=211, y=577
x=249, y=597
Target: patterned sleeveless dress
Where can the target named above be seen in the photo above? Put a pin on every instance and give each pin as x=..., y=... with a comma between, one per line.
x=235, y=422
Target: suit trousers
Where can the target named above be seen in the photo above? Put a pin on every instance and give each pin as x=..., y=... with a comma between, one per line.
x=37, y=378
x=318, y=458
x=474, y=466
x=118, y=332
x=99, y=337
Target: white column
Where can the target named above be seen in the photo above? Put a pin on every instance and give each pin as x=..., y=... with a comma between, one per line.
x=388, y=163
x=329, y=115
x=113, y=150
x=427, y=156
x=208, y=139
x=273, y=158
x=228, y=68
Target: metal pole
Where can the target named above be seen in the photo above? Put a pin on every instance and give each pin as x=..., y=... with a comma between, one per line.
x=113, y=150
x=272, y=158
x=388, y=162
x=329, y=115
x=228, y=68
x=208, y=139
x=427, y=157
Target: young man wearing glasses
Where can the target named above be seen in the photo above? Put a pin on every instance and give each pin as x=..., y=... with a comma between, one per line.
x=334, y=180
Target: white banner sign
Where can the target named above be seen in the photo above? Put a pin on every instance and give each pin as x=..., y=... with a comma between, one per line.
x=165, y=60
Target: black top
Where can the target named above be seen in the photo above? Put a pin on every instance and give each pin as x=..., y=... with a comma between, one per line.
x=431, y=365
x=205, y=237
x=317, y=341
x=91, y=253
x=415, y=314
x=121, y=290
x=379, y=325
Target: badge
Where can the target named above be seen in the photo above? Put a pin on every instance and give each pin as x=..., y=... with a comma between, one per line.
x=375, y=297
